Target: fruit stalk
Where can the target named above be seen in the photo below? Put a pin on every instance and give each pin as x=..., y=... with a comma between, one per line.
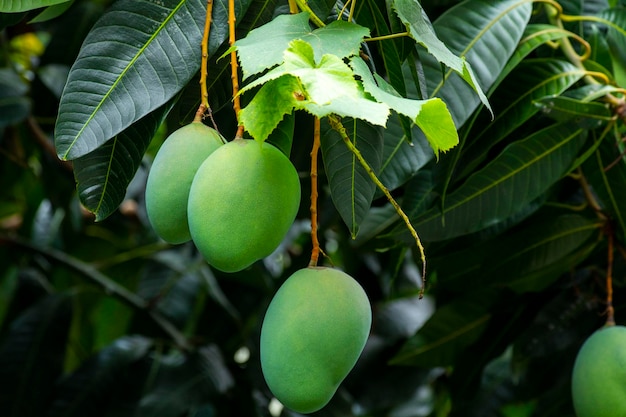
x=610, y=311
x=233, y=65
x=204, y=95
x=315, y=252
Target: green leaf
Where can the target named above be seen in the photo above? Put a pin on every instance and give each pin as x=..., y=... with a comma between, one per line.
x=89, y=389
x=103, y=175
x=515, y=104
x=275, y=99
x=14, y=104
x=535, y=35
x=487, y=26
x=403, y=158
x=184, y=381
x=340, y=38
x=537, y=254
x=431, y=116
x=606, y=171
x=589, y=115
x=523, y=171
x=420, y=29
x=447, y=332
x=370, y=13
x=31, y=356
x=13, y=6
x=351, y=188
x=52, y=12
x=323, y=88
x=135, y=59
x=616, y=38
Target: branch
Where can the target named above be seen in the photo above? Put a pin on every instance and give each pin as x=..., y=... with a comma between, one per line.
x=315, y=252
x=109, y=286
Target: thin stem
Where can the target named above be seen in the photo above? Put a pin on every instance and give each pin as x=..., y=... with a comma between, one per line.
x=234, y=75
x=315, y=252
x=303, y=5
x=293, y=7
x=385, y=37
x=204, y=95
x=109, y=286
x=589, y=196
x=336, y=124
x=610, y=311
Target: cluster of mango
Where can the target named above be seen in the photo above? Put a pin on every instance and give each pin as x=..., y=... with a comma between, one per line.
x=236, y=201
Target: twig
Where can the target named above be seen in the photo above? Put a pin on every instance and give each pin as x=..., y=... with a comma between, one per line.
x=234, y=75
x=315, y=252
x=610, y=311
x=336, y=124
x=109, y=286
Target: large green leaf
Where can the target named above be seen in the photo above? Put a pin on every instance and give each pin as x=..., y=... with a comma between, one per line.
x=339, y=38
x=523, y=171
x=447, y=332
x=431, y=116
x=369, y=13
x=351, y=188
x=103, y=175
x=420, y=29
x=534, y=256
x=321, y=87
x=13, y=6
x=31, y=357
x=515, y=104
x=487, y=27
x=137, y=57
x=535, y=35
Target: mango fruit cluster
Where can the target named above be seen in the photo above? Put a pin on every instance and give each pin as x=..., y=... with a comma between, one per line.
x=314, y=330
x=236, y=201
x=599, y=374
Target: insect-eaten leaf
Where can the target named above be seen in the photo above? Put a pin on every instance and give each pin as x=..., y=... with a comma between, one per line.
x=301, y=82
x=341, y=38
x=432, y=115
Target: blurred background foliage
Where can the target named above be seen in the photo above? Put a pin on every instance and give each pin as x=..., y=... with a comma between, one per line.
x=104, y=319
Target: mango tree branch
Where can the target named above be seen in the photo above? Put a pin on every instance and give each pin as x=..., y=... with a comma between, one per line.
x=204, y=95
x=336, y=124
x=109, y=286
x=234, y=75
x=315, y=252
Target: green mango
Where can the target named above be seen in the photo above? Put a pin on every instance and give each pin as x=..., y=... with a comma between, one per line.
x=599, y=374
x=170, y=177
x=243, y=200
x=313, y=332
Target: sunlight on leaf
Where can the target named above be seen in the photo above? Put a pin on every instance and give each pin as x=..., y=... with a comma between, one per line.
x=341, y=38
x=420, y=29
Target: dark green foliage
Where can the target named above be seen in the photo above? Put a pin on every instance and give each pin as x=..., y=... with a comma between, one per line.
x=98, y=317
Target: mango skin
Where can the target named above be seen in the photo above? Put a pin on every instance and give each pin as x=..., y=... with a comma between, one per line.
x=242, y=202
x=170, y=177
x=599, y=374
x=314, y=330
